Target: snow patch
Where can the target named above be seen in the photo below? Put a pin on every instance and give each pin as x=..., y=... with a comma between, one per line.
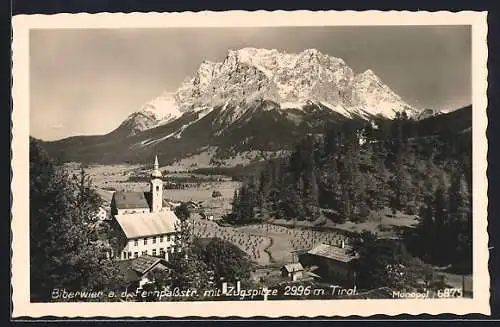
x=155, y=141
x=163, y=108
x=292, y=105
x=338, y=108
x=290, y=79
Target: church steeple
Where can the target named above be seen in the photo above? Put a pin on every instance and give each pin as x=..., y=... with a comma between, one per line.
x=156, y=170
x=156, y=188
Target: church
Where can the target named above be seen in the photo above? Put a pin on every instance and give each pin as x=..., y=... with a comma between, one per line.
x=147, y=225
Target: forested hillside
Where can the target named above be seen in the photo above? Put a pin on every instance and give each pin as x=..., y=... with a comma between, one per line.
x=415, y=167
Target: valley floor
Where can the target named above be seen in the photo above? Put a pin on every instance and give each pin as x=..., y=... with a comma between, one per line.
x=269, y=244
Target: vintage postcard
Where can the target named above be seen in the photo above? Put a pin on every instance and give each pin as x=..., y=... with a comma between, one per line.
x=272, y=164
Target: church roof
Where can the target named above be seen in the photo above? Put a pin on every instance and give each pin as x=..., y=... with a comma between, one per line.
x=134, y=200
x=131, y=200
x=147, y=224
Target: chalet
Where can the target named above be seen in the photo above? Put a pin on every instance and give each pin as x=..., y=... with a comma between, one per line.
x=145, y=222
x=334, y=262
x=138, y=271
x=294, y=271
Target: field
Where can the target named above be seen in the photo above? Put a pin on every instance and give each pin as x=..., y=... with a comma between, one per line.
x=265, y=243
x=110, y=178
x=384, y=223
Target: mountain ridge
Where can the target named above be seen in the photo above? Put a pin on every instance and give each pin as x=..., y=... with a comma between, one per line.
x=266, y=131
x=253, y=100
x=291, y=80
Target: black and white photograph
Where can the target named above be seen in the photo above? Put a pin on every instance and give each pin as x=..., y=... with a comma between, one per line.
x=305, y=164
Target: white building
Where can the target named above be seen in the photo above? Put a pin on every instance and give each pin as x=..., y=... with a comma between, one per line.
x=146, y=223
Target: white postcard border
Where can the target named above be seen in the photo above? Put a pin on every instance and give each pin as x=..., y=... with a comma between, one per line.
x=22, y=24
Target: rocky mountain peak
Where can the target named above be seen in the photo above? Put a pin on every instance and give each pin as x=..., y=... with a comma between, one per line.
x=289, y=79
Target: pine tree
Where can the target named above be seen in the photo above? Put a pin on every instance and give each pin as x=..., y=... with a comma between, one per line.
x=226, y=260
x=428, y=237
x=312, y=197
x=461, y=218
x=441, y=220
x=182, y=212
x=64, y=251
x=186, y=270
x=243, y=207
x=235, y=205
x=344, y=207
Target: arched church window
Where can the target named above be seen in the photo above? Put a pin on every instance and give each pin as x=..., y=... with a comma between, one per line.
x=157, y=188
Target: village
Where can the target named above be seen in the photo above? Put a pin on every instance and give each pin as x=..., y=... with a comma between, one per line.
x=300, y=261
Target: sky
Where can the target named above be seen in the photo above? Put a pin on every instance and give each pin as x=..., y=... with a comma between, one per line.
x=87, y=81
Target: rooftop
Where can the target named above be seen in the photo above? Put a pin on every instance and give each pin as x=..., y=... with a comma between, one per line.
x=129, y=274
x=134, y=200
x=293, y=267
x=333, y=252
x=134, y=269
x=131, y=200
x=148, y=224
x=144, y=263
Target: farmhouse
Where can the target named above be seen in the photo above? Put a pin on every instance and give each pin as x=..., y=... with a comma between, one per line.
x=334, y=262
x=137, y=272
x=294, y=271
x=147, y=225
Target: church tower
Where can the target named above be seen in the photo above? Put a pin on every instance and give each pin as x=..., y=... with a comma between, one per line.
x=156, y=188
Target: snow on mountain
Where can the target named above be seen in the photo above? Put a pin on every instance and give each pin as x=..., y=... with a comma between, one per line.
x=156, y=112
x=291, y=80
x=376, y=98
x=163, y=108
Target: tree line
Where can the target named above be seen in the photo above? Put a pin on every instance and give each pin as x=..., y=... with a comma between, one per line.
x=358, y=167
x=67, y=244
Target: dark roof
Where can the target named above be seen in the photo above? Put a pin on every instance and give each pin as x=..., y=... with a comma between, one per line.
x=131, y=200
x=134, y=269
x=134, y=200
x=144, y=263
x=333, y=252
x=129, y=274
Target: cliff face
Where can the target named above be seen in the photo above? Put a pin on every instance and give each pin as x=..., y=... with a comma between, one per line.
x=255, y=100
x=289, y=80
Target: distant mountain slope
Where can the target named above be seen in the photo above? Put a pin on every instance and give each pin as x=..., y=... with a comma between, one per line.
x=457, y=120
x=260, y=129
x=254, y=100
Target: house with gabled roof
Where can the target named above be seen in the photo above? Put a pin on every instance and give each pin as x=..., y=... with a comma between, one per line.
x=294, y=271
x=137, y=272
x=145, y=222
x=334, y=262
